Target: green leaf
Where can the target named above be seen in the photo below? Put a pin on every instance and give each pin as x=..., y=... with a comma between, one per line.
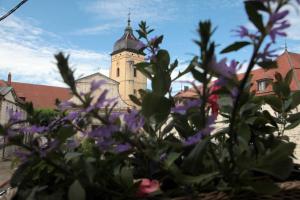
x=281, y=89
x=225, y=101
x=65, y=132
x=278, y=161
x=173, y=65
x=235, y=46
x=268, y=64
x=161, y=84
x=270, y=118
x=126, y=176
x=274, y=102
x=199, y=76
x=293, y=117
x=20, y=174
x=144, y=68
x=194, y=159
x=158, y=41
x=296, y=99
x=163, y=59
x=244, y=132
x=253, y=15
x=265, y=186
x=135, y=100
x=71, y=155
x=76, y=191
x=156, y=107
x=289, y=76
x=293, y=125
x=170, y=159
x=201, y=179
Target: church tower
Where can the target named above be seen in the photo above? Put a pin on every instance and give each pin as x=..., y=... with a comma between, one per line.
x=125, y=54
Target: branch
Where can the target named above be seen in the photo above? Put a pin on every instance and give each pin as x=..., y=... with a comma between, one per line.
x=13, y=10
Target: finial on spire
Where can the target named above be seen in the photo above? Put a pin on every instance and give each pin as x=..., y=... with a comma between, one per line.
x=129, y=18
x=285, y=46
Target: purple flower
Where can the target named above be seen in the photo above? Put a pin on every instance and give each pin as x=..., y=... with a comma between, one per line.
x=243, y=32
x=234, y=92
x=114, y=116
x=22, y=155
x=182, y=108
x=72, y=144
x=221, y=68
x=34, y=129
x=200, y=134
x=101, y=99
x=104, y=143
x=278, y=16
x=133, y=120
x=120, y=148
x=14, y=116
x=140, y=45
x=96, y=84
x=65, y=105
x=104, y=131
x=163, y=157
x=152, y=40
x=279, y=30
x=72, y=115
x=267, y=54
x=48, y=147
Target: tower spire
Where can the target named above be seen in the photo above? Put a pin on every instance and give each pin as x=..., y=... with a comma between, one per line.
x=128, y=21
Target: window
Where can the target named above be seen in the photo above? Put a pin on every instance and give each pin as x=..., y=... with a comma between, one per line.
x=263, y=84
x=134, y=72
x=134, y=91
x=118, y=72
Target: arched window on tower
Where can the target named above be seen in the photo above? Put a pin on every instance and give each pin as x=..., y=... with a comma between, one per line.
x=134, y=72
x=118, y=72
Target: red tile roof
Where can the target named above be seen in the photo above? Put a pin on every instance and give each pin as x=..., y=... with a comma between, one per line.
x=42, y=96
x=285, y=62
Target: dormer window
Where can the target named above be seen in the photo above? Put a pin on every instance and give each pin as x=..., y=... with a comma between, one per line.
x=263, y=84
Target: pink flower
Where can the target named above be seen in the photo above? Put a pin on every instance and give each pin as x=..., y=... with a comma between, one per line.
x=147, y=187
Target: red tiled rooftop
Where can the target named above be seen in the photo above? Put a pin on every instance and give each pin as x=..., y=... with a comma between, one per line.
x=42, y=96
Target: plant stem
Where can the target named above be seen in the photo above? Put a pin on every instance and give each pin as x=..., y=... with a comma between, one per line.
x=232, y=132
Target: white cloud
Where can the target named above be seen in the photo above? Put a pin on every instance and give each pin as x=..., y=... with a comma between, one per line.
x=294, y=19
x=27, y=51
x=105, y=28
x=140, y=9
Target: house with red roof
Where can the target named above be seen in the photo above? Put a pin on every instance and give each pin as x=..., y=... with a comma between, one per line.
x=260, y=83
x=41, y=96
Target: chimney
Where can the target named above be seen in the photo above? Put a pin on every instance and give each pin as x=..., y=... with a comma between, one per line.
x=9, y=79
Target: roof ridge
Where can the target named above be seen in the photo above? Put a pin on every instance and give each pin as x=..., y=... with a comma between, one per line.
x=39, y=85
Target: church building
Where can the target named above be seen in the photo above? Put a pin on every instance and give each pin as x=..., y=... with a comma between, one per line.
x=123, y=80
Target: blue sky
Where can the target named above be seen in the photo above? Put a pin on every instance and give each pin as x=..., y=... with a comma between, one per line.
x=87, y=30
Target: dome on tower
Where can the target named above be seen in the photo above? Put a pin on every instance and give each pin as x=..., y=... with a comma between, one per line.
x=127, y=42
